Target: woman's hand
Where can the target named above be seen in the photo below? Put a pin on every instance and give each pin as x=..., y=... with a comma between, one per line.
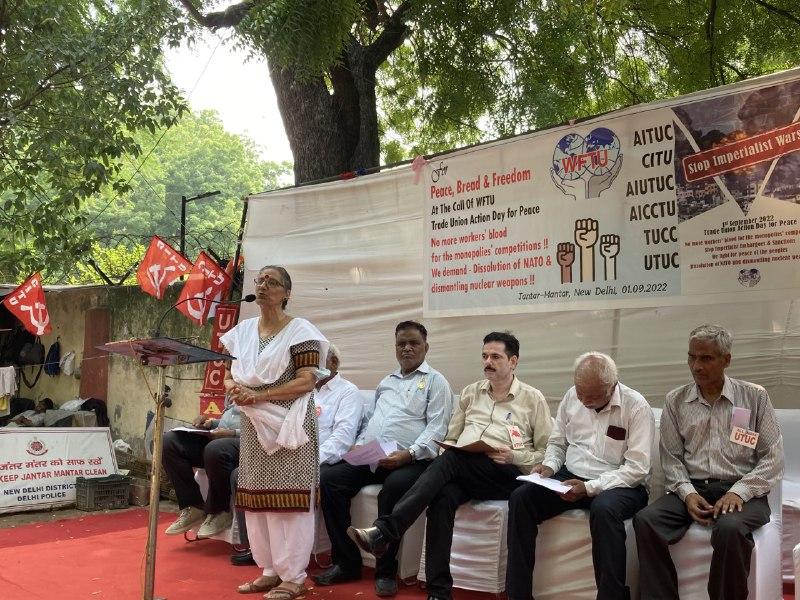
x=243, y=396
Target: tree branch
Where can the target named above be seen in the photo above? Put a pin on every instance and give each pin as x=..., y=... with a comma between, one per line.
x=712, y=13
x=739, y=73
x=393, y=34
x=230, y=17
x=44, y=85
x=779, y=11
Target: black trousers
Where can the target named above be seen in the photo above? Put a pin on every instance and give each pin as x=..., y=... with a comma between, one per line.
x=454, y=478
x=241, y=521
x=339, y=483
x=533, y=504
x=666, y=521
x=185, y=450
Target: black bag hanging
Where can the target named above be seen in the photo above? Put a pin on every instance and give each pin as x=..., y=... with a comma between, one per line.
x=35, y=379
x=52, y=363
x=32, y=353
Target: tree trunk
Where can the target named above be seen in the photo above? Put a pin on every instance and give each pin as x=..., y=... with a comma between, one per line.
x=331, y=133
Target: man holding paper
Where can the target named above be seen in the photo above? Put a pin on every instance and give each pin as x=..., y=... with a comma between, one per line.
x=600, y=449
x=412, y=409
x=212, y=444
x=498, y=432
x=722, y=452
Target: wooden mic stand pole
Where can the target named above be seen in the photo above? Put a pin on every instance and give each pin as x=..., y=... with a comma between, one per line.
x=162, y=402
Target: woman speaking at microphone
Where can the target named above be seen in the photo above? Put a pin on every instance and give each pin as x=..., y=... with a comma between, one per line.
x=272, y=379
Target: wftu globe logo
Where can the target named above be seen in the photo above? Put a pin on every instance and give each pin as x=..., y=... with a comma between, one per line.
x=585, y=167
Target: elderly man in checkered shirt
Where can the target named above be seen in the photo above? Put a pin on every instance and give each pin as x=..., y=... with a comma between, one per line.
x=722, y=452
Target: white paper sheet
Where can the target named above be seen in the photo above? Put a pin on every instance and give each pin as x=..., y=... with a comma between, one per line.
x=550, y=484
x=193, y=430
x=370, y=454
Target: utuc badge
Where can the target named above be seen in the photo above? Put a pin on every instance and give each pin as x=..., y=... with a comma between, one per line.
x=421, y=384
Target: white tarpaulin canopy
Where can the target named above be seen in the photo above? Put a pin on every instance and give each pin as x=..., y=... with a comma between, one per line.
x=356, y=251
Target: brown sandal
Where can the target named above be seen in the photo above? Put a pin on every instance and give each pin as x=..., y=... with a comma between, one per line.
x=286, y=591
x=254, y=587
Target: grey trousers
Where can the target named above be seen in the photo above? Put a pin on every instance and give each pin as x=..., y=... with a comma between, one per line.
x=666, y=521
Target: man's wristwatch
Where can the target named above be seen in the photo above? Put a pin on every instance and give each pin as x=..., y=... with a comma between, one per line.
x=413, y=454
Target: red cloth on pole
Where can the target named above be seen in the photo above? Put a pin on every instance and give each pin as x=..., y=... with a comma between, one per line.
x=28, y=305
x=213, y=380
x=161, y=265
x=206, y=281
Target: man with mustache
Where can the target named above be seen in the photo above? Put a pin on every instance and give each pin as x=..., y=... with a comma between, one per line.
x=509, y=416
x=412, y=407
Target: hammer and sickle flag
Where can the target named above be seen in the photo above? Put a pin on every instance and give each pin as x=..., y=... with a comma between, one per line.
x=206, y=282
x=28, y=305
x=161, y=265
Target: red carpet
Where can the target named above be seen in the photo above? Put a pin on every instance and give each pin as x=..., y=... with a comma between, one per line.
x=101, y=557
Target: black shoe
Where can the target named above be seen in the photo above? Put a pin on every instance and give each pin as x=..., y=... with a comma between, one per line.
x=369, y=540
x=242, y=559
x=336, y=574
x=385, y=586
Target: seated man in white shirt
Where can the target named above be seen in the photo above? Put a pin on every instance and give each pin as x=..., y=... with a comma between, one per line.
x=339, y=409
x=600, y=446
x=711, y=479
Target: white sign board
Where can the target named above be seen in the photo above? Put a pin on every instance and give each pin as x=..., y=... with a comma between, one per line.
x=38, y=466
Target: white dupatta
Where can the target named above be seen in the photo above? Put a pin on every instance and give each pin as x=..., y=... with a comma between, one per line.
x=277, y=427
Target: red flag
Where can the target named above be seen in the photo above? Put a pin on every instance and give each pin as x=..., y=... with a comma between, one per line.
x=206, y=280
x=212, y=406
x=161, y=265
x=27, y=304
x=224, y=321
x=212, y=396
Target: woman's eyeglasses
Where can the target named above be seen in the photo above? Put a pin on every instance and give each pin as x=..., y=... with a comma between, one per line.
x=268, y=281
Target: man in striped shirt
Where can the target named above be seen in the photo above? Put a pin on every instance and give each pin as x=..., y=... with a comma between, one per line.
x=722, y=452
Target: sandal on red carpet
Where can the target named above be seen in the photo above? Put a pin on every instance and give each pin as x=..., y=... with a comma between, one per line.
x=286, y=591
x=260, y=585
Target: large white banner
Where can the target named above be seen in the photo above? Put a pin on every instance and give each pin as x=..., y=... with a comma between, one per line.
x=38, y=466
x=688, y=202
x=359, y=261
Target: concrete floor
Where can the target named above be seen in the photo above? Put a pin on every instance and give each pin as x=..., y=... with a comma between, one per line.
x=59, y=514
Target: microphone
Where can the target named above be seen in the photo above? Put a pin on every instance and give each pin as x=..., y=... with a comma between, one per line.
x=157, y=332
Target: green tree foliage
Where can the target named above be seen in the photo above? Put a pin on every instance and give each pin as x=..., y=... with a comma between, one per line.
x=353, y=78
x=429, y=75
x=112, y=265
x=77, y=80
x=480, y=69
x=194, y=157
